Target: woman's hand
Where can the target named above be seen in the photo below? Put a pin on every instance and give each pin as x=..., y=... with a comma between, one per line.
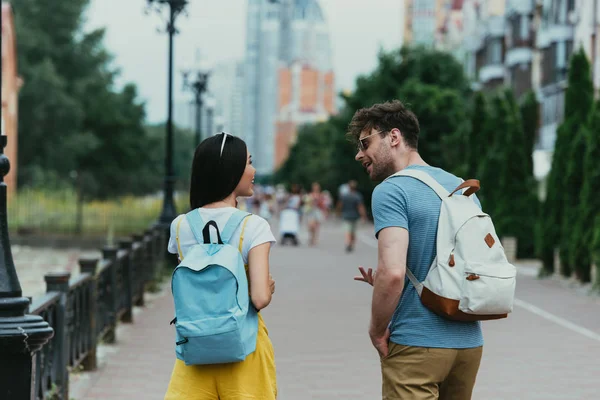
x=271, y=284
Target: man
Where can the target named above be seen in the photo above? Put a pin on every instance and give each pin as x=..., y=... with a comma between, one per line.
x=352, y=208
x=423, y=355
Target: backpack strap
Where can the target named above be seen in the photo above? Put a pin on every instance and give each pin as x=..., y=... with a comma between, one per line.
x=196, y=224
x=413, y=279
x=426, y=179
x=232, y=224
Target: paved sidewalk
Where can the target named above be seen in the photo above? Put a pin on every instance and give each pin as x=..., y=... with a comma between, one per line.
x=548, y=348
x=139, y=365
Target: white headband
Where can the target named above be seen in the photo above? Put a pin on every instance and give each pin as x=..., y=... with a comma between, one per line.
x=223, y=144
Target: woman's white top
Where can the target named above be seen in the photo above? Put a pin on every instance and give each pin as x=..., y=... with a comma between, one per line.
x=257, y=231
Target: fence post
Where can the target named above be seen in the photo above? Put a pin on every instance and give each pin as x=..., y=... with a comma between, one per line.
x=110, y=253
x=127, y=245
x=89, y=266
x=138, y=269
x=59, y=282
x=21, y=335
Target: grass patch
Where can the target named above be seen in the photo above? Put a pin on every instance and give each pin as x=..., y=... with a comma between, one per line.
x=55, y=212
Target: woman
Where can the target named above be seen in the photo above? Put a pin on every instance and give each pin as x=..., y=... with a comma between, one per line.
x=221, y=171
x=314, y=209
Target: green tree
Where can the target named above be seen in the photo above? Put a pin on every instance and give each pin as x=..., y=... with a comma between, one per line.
x=152, y=178
x=492, y=165
x=478, y=142
x=530, y=120
x=72, y=122
x=588, y=210
x=563, y=186
x=442, y=117
x=310, y=157
x=518, y=203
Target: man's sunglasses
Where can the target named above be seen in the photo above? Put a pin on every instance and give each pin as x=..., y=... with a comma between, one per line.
x=363, y=144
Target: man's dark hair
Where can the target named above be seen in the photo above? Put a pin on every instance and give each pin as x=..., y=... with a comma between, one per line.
x=215, y=176
x=384, y=117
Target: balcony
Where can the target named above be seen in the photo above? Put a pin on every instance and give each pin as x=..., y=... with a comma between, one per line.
x=520, y=6
x=519, y=55
x=552, y=34
x=491, y=72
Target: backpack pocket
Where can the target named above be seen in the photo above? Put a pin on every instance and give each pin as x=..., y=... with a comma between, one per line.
x=488, y=289
x=210, y=341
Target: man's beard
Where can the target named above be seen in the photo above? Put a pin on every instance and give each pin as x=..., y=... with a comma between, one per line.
x=384, y=167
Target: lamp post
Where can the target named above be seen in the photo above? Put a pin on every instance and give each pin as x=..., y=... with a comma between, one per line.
x=20, y=335
x=169, y=213
x=198, y=86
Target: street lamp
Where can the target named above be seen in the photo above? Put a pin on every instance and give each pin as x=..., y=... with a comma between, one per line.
x=20, y=335
x=198, y=86
x=176, y=7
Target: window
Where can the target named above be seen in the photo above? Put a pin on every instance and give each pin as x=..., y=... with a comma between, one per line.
x=524, y=27
x=494, y=51
x=561, y=55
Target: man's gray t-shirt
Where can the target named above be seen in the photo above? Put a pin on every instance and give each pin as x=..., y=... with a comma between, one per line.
x=408, y=203
x=350, y=203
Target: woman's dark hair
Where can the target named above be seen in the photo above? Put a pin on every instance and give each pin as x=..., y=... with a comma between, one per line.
x=215, y=176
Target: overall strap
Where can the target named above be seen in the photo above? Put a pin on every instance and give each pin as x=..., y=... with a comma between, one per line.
x=242, y=234
x=232, y=224
x=177, y=239
x=196, y=224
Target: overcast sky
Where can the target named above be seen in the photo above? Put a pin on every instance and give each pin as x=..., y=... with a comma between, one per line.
x=357, y=28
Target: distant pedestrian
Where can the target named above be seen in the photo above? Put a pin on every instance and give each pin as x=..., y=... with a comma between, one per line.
x=314, y=211
x=327, y=203
x=290, y=217
x=352, y=208
x=423, y=355
x=221, y=171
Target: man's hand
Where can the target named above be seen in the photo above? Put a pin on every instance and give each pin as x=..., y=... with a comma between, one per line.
x=367, y=276
x=271, y=284
x=380, y=342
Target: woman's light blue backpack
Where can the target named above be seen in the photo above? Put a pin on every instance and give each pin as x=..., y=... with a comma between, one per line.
x=214, y=319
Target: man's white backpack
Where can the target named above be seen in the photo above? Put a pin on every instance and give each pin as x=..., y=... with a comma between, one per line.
x=470, y=279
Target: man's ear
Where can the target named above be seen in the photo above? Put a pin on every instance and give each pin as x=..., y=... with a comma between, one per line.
x=395, y=136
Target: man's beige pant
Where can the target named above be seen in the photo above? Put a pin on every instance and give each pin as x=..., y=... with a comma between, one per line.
x=420, y=373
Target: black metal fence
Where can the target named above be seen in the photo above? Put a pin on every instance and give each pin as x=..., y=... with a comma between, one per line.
x=85, y=310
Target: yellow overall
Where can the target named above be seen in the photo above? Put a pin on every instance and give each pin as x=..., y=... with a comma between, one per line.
x=251, y=379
